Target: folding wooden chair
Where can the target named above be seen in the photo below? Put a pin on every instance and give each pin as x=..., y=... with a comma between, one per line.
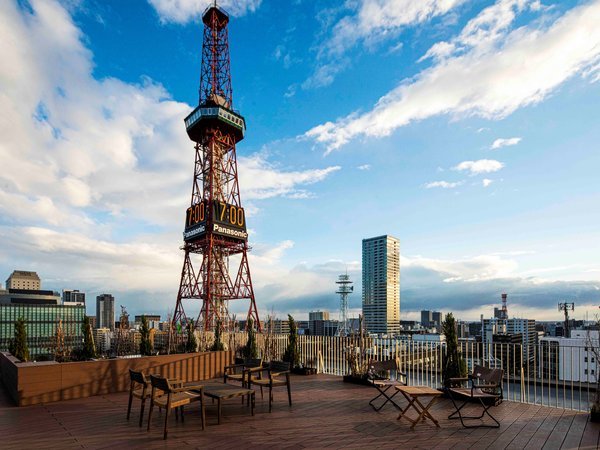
x=385, y=375
x=486, y=388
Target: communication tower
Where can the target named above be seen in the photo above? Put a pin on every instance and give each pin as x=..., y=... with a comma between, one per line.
x=344, y=289
x=215, y=222
x=566, y=307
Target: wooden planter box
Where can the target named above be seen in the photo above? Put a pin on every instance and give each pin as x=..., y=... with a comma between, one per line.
x=304, y=370
x=42, y=382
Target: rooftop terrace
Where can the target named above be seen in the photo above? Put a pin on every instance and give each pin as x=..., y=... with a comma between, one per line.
x=326, y=413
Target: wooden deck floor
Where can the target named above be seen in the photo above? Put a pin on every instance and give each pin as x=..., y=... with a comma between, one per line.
x=326, y=413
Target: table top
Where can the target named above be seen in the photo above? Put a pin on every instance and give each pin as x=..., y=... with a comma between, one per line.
x=418, y=391
x=223, y=390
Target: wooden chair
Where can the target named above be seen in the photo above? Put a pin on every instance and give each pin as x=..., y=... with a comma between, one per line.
x=274, y=371
x=385, y=375
x=175, y=395
x=485, y=387
x=237, y=372
x=139, y=388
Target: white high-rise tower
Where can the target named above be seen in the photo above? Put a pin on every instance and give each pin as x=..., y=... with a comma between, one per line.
x=381, y=284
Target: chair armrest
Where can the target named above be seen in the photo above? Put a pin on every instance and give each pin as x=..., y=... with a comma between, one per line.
x=188, y=388
x=255, y=369
x=459, y=379
x=486, y=386
x=277, y=374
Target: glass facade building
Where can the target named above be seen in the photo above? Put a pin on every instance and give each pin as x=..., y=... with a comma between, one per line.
x=381, y=284
x=41, y=324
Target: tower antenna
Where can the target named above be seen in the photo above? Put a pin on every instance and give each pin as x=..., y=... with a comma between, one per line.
x=344, y=289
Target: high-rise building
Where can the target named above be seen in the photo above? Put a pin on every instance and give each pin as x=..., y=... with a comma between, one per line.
x=75, y=297
x=426, y=318
x=436, y=318
x=22, y=279
x=381, y=284
x=105, y=311
x=319, y=324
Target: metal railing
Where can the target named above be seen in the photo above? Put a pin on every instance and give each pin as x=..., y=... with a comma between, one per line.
x=543, y=374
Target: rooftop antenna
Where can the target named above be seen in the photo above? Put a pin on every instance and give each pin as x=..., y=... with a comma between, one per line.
x=344, y=289
x=566, y=307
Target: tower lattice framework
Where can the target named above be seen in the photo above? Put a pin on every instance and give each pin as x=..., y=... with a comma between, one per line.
x=215, y=267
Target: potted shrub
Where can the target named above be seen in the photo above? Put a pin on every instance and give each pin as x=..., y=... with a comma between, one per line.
x=454, y=365
x=18, y=346
x=356, y=356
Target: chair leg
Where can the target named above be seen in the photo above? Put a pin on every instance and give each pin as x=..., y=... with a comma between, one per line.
x=142, y=411
x=168, y=410
x=181, y=413
x=463, y=418
x=150, y=414
x=129, y=407
x=289, y=393
x=387, y=398
x=202, y=412
x=270, y=397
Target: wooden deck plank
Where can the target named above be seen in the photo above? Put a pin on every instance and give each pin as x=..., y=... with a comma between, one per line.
x=326, y=413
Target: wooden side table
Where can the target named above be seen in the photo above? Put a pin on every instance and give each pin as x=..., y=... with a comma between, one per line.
x=412, y=394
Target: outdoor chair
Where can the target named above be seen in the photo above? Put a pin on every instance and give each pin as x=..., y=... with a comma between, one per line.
x=485, y=387
x=385, y=375
x=237, y=372
x=274, y=373
x=174, y=395
x=139, y=388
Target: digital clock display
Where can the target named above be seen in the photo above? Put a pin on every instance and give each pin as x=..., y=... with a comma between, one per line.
x=226, y=220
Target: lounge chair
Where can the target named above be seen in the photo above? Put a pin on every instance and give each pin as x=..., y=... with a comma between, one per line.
x=385, y=375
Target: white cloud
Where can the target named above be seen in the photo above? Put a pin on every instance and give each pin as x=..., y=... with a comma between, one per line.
x=479, y=166
x=371, y=22
x=262, y=179
x=493, y=72
x=364, y=167
x=88, y=164
x=486, y=182
x=501, y=142
x=443, y=184
x=182, y=11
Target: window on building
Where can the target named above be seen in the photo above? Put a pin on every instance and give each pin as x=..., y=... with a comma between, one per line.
x=585, y=359
x=585, y=371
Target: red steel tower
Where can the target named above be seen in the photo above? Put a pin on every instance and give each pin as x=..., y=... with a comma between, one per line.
x=215, y=236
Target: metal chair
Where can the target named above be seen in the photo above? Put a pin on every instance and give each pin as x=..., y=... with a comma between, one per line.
x=485, y=387
x=385, y=375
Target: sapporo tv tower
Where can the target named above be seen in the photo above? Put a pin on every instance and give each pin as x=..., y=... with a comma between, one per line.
x=215, y=222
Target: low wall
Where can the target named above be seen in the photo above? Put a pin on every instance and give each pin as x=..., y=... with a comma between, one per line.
x=41, y=382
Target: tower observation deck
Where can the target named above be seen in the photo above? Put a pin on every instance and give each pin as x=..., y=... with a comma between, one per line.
x=215, y=236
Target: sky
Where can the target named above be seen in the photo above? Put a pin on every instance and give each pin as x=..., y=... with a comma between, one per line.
x=467, y=129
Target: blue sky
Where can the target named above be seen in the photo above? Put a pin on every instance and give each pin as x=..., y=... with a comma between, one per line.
x=467, y=129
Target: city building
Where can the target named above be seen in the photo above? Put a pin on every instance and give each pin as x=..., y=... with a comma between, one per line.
x=570, y=359
x=431, y=319
x=153, y=321
x=73, y=297
x=426, y=318
x=41, y=321
x=381, y=284
x=23, y=279
x=105, y=311
x=319, y=324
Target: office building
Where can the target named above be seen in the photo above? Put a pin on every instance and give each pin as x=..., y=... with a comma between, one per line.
x=436, y=319
x=570, y=359
x=105, y=311
x=319, y=324
x=41, y=321
x=381, y=284
x=426, y=318
x=22, y=279
x=73, y=297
